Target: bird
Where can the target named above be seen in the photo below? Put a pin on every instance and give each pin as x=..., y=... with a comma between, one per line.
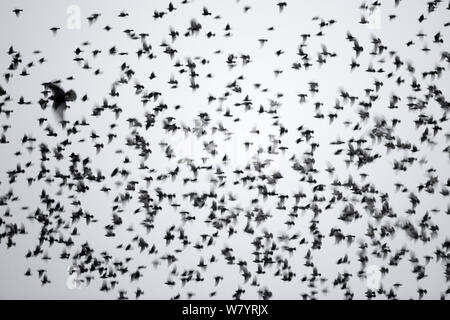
x=60, y=98
x=17, y=11
x=54, y=30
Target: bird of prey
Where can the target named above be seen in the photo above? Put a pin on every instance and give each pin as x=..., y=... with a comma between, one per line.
x=60, y=98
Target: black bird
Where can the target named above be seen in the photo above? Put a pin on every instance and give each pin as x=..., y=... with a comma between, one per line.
x=60, y=98
x=17, y=11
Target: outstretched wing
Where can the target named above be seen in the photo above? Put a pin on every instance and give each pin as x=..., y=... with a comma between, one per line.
x=71, y=95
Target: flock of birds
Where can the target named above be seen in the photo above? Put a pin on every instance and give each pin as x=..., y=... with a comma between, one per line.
x=210, y=202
